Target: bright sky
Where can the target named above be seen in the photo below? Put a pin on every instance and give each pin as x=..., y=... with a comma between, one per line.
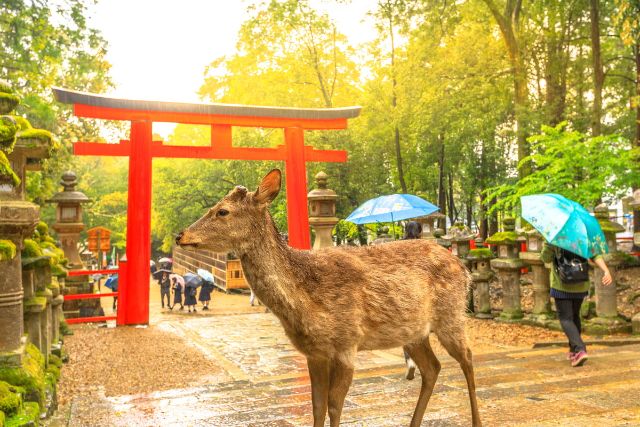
x=159, y=48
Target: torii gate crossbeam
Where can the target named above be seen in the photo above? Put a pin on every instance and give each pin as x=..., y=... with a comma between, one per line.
x=141, y=149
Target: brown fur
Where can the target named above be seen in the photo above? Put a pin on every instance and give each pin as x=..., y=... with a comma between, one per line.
x=337, y=301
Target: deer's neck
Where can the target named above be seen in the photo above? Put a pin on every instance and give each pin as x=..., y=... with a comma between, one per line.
x=267, y=265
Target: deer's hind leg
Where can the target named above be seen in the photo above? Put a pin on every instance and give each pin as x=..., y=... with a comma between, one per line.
x=429, y=366
x=454, y=340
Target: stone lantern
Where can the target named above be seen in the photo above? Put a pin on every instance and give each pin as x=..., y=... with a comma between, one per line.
x=69, y=218
x=322, y=211
x=541, y=300
x=460, y=242
x=428, y=224
x=606, y=300
x=508, y=266
x=481, y=275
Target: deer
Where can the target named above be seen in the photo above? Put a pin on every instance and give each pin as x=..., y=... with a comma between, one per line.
x=334, y=302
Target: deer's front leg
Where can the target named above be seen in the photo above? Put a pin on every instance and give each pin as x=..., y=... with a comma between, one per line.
x=339, y=383
x=319, y=374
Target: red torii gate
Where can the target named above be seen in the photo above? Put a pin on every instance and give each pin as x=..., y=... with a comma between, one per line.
x=141, y=149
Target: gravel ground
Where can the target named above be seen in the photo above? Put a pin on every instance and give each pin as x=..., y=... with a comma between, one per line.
x=131, y=360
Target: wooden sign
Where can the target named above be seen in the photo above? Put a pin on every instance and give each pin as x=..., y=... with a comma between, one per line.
x=99, y=236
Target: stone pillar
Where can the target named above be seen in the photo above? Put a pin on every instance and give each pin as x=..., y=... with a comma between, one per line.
x=322, y=211
x=541, y=299
x=460, y=237
x=508, y=266
x=481, y=275
x=18, y=219
x=606, y=298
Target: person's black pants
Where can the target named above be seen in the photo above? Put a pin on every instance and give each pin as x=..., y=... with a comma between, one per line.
x=569, y=315
x=166, y=293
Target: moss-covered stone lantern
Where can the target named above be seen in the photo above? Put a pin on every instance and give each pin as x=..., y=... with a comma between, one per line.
x=322, y=211
x=541, y=300
x=481, y=274
x=606, y=296
x=69, y=218
x=508, y=266
x=428, y=224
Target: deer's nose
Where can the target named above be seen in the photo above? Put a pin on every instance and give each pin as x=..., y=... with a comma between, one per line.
x=179, y=236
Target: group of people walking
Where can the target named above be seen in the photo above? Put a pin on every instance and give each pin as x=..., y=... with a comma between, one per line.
x=184, y=288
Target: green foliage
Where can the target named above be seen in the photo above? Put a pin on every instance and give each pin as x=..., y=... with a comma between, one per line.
x=503, y=238
x=10, y=399
x=28, y=416
x=8, y=102
x=43, y=229
x=580, y=167
x=7, y=250
x=31, y=249
x=8, y=131
x=480, y=253
x=30, y=376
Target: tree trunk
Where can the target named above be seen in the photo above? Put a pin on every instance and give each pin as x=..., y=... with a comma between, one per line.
x=453, y=216
x=508, y=23
x=394, y=103
x=442, y=200
x=598, y=72
x=470, y=212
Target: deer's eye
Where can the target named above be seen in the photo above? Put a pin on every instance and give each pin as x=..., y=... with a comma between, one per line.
x=222, y=212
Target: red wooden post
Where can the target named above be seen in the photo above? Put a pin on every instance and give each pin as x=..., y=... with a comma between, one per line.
x=122, y=293
x=296, y=178
x=138, y=225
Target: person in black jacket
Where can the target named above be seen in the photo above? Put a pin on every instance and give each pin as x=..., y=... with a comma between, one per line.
x=205, y=294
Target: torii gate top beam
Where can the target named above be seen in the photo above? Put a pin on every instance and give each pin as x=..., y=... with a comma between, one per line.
x=90, y=105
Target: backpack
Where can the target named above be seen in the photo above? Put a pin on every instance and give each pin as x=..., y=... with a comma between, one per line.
x=571, y=268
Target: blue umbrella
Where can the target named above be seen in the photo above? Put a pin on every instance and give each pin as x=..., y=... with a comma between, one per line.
x=394, y=207
x=206, y=275
x=112, y=283
x=192, y=280
x=564, y=223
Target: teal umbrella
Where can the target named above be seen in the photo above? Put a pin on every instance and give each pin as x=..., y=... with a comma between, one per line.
x=564, y=223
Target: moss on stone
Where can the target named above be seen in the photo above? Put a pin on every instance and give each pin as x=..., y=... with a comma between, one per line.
x=480, y=253
x=10, y=399
x=35, y=302
x=23, y=124
x=55, y=361
x=30, y=376
x=28, y=416
x=43, y=229
x=503, y=238
x=610, y=226
x=58, y=271
x=8, y=102
x=54, y=371
x=7, y=250
x=64, y=328
x=8, y=131
x=2, y=418
x=31, y=249
x=6, y=173
x=5, y=86
x=41, y=135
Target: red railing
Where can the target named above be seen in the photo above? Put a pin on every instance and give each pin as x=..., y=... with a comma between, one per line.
x=73, y=273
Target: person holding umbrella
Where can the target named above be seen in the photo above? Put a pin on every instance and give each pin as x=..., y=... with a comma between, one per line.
x=191, y=284
x=573, y=237
x=207, y=287
x=162, y=276
x=178, y=286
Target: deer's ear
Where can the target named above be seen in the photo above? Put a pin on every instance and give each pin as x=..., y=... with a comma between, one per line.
x=269, y=187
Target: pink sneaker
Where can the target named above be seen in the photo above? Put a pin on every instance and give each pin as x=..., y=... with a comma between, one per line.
x=579, y=358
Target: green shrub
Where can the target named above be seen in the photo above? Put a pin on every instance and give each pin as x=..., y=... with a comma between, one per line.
x=28, y=416
x=10, y=399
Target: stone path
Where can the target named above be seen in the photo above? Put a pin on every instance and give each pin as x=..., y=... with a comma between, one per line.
x=268, y=386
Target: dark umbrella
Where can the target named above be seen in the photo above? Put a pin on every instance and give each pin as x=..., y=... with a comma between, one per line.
x=192, y=280
x=158, y=273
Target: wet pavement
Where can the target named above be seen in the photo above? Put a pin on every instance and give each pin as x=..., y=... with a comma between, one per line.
x=265, y=383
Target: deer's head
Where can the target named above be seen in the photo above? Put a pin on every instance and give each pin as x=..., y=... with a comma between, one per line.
x=233, y=221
